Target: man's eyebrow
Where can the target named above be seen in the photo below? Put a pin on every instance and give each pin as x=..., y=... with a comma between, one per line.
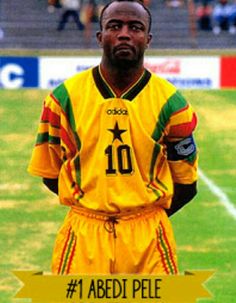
x=114, y=20
x=128, y=22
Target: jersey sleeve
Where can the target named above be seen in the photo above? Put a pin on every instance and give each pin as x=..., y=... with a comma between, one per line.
x=180, y=144
x=46, y=156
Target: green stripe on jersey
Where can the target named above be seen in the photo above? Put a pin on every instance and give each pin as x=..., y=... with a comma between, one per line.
x=61, y=94
x=175, y=103
x=45, y=137
x=63, y=97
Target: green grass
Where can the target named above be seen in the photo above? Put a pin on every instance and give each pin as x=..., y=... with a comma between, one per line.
x=30, y=216
x=204, y=230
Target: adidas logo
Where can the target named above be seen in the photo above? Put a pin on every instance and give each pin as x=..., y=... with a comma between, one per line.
x=117, y=111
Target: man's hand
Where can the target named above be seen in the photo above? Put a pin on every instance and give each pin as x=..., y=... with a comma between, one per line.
x=183, y=193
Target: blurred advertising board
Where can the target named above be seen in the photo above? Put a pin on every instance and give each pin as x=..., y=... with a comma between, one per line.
x=192, y=72
x=17, y=72
x=55, y=70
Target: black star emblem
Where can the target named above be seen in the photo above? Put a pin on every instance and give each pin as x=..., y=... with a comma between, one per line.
x=117, y=132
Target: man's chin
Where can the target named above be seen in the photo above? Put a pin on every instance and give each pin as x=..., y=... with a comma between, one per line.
x=124, y=61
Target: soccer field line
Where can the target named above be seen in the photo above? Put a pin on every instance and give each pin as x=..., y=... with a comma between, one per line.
x=218, y=192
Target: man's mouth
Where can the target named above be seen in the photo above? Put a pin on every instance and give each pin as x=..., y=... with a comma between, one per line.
x=123, y=48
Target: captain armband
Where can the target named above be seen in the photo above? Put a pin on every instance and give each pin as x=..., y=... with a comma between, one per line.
x=184, y=149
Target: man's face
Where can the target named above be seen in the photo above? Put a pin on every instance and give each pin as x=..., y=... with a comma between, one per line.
x=124, y=36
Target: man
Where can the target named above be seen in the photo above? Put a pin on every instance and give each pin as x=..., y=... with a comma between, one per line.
x=71, y=8
x=114, y=142
x=221, y=16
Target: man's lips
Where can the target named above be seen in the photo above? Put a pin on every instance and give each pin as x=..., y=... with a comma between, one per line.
x=123, y=47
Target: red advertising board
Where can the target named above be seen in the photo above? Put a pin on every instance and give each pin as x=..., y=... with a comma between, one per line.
x=228, y=72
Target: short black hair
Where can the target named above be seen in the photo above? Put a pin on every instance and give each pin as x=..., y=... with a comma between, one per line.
x=137, y=1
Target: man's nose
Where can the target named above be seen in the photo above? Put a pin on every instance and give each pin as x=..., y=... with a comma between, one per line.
x=124, y=32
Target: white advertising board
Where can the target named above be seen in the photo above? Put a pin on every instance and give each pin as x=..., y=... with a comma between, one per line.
x=54, y=70
x=187, y=72
x=183, y=72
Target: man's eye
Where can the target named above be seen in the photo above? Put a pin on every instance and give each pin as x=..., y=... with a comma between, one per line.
x=136, y=27
x=114, y=26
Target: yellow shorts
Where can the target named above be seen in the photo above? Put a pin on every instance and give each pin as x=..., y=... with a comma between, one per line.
x=133, y=243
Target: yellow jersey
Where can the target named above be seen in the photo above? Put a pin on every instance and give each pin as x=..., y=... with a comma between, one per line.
x=111, y=154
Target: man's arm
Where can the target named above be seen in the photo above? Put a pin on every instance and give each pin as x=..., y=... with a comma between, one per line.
x=52, y=184
x=183, y=193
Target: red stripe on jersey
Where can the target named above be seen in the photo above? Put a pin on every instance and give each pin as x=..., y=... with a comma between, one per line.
x=49, y=116
x=66, y=139
x=62, y=111
x=58, y=103
x=184, y=129
x=55, y=99
x=181, y=110
x=69, y=172
x=160, y=164
x=69, y=168
x=77, y=190
x=64, y=134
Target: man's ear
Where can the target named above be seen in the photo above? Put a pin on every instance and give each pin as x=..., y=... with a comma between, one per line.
x=149, y=39
x=99, y=38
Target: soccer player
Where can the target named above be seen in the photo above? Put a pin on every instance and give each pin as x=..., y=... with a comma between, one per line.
x=115, y=143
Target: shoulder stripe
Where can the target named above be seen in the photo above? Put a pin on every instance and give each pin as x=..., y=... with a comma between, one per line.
x=183, y=129
x=62, y=96
x=180, y=110
x=54, y=99
x=175, y=104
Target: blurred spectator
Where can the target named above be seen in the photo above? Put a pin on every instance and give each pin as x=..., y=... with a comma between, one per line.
x=1, y=34
x=89, y=15
x=1, y=30
x=232, y=21
x=174, y=3
x=71, y=8
x=52, y=4
x=147, y=2
x=204, y=15
x=221, y=16
x=201, y=2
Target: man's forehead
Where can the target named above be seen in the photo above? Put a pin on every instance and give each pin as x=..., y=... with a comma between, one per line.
x=121, y=9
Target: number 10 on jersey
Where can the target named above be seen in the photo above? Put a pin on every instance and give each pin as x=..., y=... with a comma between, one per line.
x=119, y=160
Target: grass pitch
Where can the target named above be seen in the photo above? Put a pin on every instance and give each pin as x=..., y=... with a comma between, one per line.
x=30, y=215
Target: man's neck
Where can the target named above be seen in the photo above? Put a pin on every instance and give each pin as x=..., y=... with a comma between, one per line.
x=120, y=80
